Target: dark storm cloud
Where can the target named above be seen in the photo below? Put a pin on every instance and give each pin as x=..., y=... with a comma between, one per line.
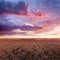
x=21, y=6
x=11, y=7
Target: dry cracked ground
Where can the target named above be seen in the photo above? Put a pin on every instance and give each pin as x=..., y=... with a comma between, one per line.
x=29, y=49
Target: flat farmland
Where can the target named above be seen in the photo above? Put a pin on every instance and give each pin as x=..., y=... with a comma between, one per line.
x=30, y=49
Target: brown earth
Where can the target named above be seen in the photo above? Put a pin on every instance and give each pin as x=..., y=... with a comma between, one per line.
x=30, y=49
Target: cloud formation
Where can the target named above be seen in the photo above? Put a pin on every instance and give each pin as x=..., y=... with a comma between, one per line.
x=32, y=17
x=18, y=6
x=11, y=7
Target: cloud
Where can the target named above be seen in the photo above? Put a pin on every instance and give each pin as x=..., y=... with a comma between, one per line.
x=38, y=21
x=54, y=31
x=11, y=7
x=10, y=22
x=52, y=6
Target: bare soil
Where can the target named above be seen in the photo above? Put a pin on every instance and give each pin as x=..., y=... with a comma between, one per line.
x=30, y=49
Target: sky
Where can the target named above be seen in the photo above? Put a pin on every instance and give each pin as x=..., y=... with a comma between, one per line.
x=30, y=19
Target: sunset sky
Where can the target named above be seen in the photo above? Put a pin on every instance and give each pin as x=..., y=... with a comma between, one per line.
x=29, y=18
